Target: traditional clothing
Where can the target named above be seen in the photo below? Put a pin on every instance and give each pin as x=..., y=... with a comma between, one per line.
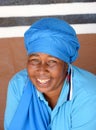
x=27, y=108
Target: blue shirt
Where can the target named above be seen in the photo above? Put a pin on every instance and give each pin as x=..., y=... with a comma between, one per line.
x=79, y=113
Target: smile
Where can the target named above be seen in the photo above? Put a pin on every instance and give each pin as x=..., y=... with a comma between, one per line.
x=43, y=81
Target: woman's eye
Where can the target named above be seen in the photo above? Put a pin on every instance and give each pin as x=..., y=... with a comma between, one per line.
x=34, y=61
x=51, y=63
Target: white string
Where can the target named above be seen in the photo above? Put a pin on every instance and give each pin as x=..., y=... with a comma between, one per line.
x=71, y=85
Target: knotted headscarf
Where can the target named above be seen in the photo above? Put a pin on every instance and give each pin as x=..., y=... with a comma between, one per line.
x=54, y=37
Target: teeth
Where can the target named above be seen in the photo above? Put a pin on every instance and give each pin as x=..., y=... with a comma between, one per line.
x=43, y=80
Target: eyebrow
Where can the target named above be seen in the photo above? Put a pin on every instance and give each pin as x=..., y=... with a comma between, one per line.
x=33, y=55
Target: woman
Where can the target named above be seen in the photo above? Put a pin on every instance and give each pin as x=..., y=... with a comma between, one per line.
x=51, y=94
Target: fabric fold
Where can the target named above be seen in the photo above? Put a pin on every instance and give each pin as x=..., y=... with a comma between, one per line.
x=31, y=115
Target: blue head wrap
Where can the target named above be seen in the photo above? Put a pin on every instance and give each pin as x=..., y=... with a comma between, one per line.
x=54, y=37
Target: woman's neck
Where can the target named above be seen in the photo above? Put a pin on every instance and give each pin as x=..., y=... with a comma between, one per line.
x=52, y=98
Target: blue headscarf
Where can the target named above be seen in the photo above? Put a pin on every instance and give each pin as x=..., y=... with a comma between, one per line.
x=54, y=37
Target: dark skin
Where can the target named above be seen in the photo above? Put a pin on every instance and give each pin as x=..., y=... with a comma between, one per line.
x=48, y=74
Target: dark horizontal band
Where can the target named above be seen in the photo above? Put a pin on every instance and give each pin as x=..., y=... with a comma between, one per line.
x=28, y=2
x=25, y=21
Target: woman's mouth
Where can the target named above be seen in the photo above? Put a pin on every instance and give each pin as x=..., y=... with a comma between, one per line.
x=43, y=81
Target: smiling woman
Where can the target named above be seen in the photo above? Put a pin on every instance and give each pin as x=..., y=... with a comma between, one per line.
x=47, y=73
x=51, y=93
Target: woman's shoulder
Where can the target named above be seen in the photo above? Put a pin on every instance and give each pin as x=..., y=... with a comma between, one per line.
x=20, y=76
x=84, y=80
x=18, y=82
x=83, y=74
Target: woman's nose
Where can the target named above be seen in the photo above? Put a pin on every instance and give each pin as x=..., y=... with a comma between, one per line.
x=43, y=68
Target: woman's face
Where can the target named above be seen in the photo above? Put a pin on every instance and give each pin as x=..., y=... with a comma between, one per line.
x=47, y=73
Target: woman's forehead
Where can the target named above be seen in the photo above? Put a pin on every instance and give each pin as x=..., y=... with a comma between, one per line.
x=42, y=54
